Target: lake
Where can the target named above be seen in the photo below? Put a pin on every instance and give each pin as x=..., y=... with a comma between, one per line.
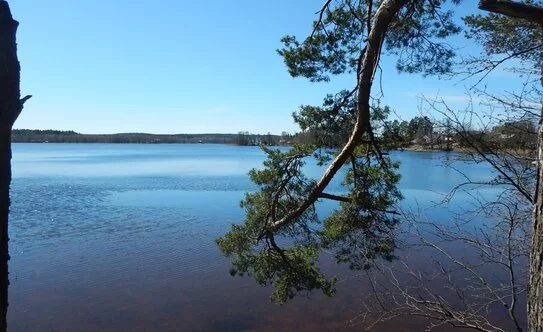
x=121, y=237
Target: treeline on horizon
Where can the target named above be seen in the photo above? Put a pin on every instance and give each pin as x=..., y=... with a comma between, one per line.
x=60, y=136
x=419, y=132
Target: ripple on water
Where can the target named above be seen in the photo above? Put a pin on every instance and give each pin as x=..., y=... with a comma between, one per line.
x=102, y=244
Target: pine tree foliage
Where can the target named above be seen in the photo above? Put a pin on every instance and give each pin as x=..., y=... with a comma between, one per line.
x=361, y=228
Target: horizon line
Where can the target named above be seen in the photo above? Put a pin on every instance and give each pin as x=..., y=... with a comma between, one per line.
x=156, y=134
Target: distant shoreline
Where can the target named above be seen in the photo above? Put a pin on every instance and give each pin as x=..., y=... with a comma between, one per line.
x=57, y=136
x=411, y=149
x=241, y=139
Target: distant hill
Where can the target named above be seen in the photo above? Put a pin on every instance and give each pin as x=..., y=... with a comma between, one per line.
x=58, y=136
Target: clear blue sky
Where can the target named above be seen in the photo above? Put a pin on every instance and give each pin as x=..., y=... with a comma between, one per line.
x=172, y=66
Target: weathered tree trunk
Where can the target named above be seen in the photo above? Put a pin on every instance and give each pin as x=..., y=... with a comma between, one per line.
x=535, y=289
x=10, y=107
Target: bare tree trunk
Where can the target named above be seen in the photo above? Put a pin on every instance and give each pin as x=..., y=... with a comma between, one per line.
x=10, y=107
x=535, y=294
x=535, y=289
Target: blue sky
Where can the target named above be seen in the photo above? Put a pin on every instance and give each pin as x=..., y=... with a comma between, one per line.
x=172, y=66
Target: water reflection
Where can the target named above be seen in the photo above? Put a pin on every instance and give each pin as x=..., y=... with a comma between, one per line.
x=121, y=237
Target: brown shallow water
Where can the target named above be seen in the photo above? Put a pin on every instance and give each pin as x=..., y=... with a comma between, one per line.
x=151, y=294
x=121, y=238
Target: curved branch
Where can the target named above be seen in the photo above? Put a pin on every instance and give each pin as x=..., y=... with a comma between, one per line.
x=382, y=19
x=513, y=9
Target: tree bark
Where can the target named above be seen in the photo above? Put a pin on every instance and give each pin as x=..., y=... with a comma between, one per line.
x=5, y=178
x=513, y=9
x=535, y=289
x=10, y=108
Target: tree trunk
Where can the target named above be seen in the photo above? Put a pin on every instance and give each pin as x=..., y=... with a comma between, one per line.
x=381, y=21
x=5, y=178
x=10, y=107
x=535, y=293
x=535, y=289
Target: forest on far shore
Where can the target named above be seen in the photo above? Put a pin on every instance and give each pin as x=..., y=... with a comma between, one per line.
x=59, y=136
x=420, y=133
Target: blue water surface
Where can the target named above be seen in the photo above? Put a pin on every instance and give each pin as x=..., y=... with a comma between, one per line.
x=121, y=237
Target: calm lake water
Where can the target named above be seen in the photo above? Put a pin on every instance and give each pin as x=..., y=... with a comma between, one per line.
x=121, y=237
